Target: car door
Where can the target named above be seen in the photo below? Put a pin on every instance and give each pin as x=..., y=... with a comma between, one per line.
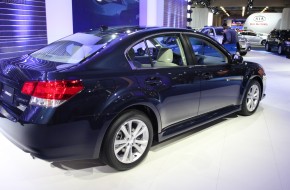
x=220, y=80
x=255, y=38
x=165, y=77
x=249, y=37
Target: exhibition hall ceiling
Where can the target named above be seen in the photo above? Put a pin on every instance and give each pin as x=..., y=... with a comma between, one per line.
x=234, y=8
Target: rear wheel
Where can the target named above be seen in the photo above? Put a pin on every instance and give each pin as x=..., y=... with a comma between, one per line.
x=128, y=140
x=251, y=99
x=267, y=47
x=263, y=42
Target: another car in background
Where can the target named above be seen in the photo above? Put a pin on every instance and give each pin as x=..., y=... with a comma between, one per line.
x=255, y=38
x=217, y=33
x=244, y=45
x=278, y=40
x=214, y=32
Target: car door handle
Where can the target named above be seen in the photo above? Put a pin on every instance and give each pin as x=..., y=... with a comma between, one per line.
x=153, y=82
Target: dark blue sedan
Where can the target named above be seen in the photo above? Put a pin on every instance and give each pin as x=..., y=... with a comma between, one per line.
x=109, y=93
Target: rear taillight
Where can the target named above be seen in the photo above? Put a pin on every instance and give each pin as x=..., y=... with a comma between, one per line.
x=51, y=93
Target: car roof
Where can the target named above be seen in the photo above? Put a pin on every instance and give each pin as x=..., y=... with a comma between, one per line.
x=132, y=29
x=216, y=27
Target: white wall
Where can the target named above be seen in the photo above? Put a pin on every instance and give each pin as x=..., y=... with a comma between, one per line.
x=200, y=18
x=151, y=12
x=59, y=19
x=210, y=19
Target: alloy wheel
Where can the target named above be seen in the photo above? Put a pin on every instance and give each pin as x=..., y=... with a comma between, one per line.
x=279, y=49
x=253, y=98
x=131, y=141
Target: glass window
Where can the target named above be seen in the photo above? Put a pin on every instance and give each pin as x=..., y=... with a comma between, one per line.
x=219, y=31
x=158, y=52
x=252, y=34
x=206, y=53
x=75, y=48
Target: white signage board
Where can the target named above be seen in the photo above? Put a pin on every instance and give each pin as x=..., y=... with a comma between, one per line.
x=263, y=22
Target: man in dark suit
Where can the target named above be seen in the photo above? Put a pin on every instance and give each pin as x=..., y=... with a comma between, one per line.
x=230, y=35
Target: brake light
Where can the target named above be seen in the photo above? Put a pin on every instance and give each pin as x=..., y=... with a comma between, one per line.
x=51, y=93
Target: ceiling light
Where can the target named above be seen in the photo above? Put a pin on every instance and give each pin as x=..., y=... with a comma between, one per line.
x=264, y=9
x=243, y=11
x=223, y=9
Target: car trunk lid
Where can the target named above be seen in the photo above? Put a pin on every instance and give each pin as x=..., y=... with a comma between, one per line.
x=13, y=74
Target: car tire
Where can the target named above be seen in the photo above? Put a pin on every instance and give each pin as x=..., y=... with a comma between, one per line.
x=243, y=53
x=280, y=50
x=128, y=140
x=267, y=47
x=263, y=42
x=251, y=99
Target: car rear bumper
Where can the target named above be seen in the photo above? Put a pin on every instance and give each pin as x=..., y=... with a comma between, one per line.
x=69, y=141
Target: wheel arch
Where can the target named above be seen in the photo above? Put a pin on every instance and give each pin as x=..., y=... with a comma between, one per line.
x=147, y=108
x=259, y=80
x=149, y=111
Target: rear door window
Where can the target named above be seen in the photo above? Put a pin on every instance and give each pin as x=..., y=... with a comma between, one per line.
x=158, y=52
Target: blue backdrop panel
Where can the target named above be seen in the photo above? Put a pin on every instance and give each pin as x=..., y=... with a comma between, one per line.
x=175, y=13
x=22, y=27
x=90, y=14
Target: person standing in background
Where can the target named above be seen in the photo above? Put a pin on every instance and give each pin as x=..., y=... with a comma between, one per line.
x=230, y=35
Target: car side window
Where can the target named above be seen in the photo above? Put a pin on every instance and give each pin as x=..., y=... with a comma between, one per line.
x=157, y=52
x=206, y=53
x=252, y=34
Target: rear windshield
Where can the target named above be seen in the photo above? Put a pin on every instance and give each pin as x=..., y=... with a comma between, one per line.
x=75, y=48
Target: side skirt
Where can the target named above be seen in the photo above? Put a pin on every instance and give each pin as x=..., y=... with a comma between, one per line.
x=190, y=124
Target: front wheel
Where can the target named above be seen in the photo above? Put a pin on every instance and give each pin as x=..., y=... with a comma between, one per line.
x=251, y=99
x=267, y=47
x=128, y=140
x=263, y=42
x=280, y=50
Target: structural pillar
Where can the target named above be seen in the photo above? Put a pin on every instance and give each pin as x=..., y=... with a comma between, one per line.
x=199, y=17
x=285, y=23
x=151, y=12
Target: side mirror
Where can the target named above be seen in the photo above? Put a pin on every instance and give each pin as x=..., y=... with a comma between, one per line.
x=237, y=59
